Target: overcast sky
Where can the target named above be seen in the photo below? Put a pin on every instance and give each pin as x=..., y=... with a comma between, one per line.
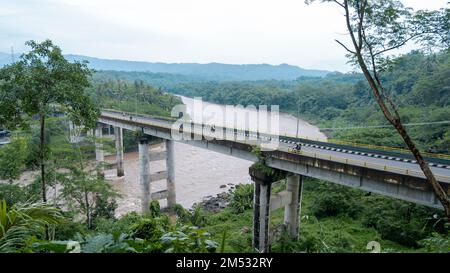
x=227, y=31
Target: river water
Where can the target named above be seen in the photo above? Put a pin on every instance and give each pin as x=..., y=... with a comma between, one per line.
x=198, y=172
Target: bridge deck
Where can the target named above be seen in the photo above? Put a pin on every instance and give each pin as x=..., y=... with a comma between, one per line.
x=374, y=171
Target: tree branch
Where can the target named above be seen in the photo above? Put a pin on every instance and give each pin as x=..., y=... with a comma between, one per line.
x=345, y=47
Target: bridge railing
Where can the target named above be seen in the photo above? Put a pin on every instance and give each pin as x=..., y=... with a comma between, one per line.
x=385, y=148
x=372, y=165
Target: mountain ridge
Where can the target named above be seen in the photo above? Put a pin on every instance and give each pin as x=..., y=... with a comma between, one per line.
x=207, y=71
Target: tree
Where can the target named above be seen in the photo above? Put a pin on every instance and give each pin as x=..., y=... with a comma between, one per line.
x=84, y=189
x=12, y=159
x=41, y=83
x=376, y=28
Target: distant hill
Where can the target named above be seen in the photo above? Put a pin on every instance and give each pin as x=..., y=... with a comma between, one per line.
x=4, y=58
x=210, y=71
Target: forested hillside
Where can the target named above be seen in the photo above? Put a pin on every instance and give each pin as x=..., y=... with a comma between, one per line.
x=132, y=96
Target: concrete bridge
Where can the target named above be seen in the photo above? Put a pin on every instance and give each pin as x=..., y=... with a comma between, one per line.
x=384, y=172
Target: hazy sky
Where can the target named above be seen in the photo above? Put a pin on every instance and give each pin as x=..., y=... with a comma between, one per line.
x=228, y=31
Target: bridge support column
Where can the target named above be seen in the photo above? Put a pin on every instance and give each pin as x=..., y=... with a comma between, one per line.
x=261, y=208
x=99, y=155
x=144, y=173
x=170, y=164
x=292, y=210
x=119, y=150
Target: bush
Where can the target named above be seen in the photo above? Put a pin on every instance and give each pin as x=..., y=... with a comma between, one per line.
x=14, y=194
x=122, y=225
x=150, y=229
x=68, y=229
x=332, y=200
x=154, y=209
x=198, y=217
x=104, y=207
x=188, y=239
x=399, y=221
x=242, y=198
x=183, y=214
x=437, y=243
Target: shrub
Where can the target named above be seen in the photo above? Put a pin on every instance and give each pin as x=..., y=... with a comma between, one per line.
x=198, y=217
x=182, y=213
x=242, y=198
x=104, y=207
x=154, y=209
x=150, y=229
x=436, y=243
x=331, y=200
x=122, y=225
x=188, y=239
x=398, y=221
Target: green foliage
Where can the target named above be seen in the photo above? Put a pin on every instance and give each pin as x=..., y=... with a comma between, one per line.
x=104, y=207
x=20, y=222
x=198, y=216
x=44, y=83
x=188, y=239
x=332, y=200
x=437, y=243
x=150, y=229
x=41, y=78
x=14, y=194
x=12, y=158
x=183, y=214
x=131, y=96
x=117, y=226
x=68, y=228
x=155, y=209
x=241, y=198
x=89, y=194
x=401, y=222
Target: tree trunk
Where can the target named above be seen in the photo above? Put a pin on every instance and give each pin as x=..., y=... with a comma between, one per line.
x=437, y=188
x=42, y=158
x=88, y=210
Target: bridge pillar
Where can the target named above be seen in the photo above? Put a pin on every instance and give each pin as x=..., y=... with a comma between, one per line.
x=261, y=209
x=119, y=150
x=99, y=155
x=292, y=210
x=170, y=164
x=144, y=173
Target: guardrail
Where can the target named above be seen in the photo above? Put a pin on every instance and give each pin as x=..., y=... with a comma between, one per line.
x=377, y=166
x=385, y=148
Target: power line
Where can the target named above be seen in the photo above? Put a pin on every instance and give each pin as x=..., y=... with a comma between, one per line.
x=387, y=126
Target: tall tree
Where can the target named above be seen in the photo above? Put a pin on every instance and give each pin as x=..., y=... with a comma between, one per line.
x=375, y=29
x=42, y=83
